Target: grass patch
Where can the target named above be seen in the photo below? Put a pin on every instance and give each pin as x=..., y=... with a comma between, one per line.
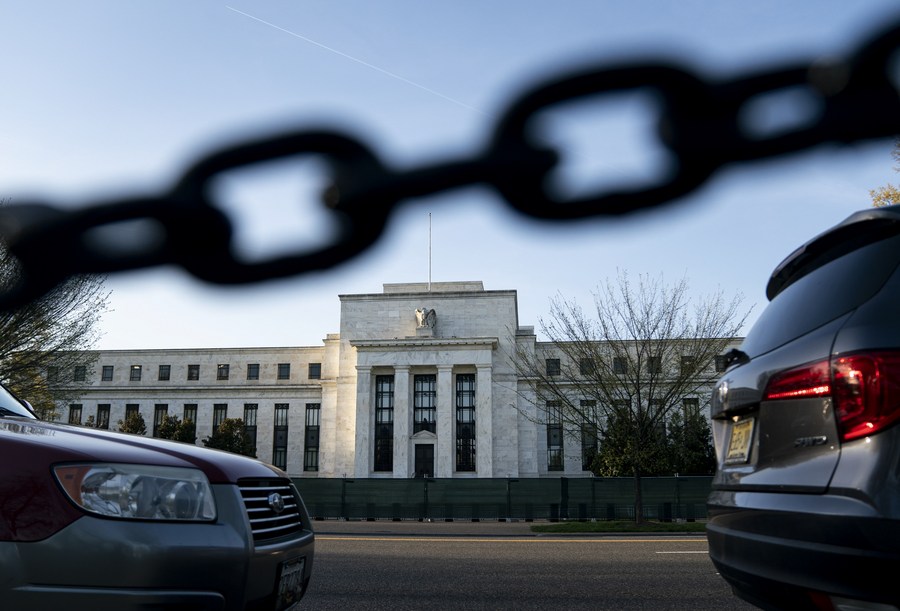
x=620, y=526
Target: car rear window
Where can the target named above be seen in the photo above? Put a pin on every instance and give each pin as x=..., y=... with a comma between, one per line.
x=823, y=295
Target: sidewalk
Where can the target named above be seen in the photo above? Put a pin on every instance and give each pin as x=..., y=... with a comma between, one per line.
x=459, y=528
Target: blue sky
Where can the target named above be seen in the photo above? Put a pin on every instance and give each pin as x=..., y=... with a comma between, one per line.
x=104, y=98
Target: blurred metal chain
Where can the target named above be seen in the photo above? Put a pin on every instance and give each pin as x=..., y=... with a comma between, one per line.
x=700, y=125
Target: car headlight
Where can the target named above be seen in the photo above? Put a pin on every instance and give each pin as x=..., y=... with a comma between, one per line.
x=138, y=492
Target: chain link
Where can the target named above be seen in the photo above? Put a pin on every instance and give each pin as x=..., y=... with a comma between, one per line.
x=700, y=124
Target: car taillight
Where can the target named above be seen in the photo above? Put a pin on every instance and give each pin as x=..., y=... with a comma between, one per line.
x=865, y=389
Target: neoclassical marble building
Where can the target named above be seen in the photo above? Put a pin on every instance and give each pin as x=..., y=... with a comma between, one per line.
x=418, y=381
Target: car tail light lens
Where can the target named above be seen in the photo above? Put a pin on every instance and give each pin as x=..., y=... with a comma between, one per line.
x=865, y=389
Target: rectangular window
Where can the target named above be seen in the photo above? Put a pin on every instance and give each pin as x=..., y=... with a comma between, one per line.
x=135, y=375
x=79, y=374
x=284, y=371
x=587, y=366
x=384, y=423
x=75, y=413
x=160, y=411
x=691, y=408
x=654, y=365
x=250, y=410
x=721, y=363
x=253, y=371
x=688, y=364
x=193, y=372
x=465, y=422
x=52, y=373
x=424, y=406
x=554, y=437
x=553, y=367
x=315, y=371
x=103, y=416
x=106, y=374
x=222, y=372
x=619, y=365
x=311, y=442
x=131, y=410
x=190, y=415
x=655, y=411
x=220, y=412
x=588, y=434
x=279, y=445
x=164, y=372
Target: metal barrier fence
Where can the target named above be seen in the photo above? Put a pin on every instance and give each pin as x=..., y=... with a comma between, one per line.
x=599, y=498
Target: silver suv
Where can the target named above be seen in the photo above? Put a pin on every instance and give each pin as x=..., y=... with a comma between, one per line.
x=805, y=506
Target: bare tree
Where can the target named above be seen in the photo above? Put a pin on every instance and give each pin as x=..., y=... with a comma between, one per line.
x=45, y=354
x=644, y=352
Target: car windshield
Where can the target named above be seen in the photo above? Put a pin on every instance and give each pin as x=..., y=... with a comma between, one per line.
x=12, y=407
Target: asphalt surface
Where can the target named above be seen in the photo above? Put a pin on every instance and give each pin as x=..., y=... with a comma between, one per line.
x=460, y=528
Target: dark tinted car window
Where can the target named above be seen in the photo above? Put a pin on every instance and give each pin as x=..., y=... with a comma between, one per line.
x=823, y=295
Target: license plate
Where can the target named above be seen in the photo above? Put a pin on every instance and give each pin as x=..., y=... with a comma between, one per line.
x=290, y=584
x=739, y=444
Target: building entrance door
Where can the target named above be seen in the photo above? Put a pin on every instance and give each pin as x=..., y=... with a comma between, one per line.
x=424, y=460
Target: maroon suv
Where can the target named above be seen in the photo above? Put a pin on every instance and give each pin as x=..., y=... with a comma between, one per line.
x=96, y=520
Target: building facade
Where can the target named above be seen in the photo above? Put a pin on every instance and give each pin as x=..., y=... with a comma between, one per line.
x=419, y=381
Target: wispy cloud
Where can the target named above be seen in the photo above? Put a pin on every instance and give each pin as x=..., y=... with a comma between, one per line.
x=357, y=60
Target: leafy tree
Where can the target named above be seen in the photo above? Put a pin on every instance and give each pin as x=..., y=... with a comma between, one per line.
x=133, y=423
x=175, y=429
x=45, y=345
x=230, y=436
x=626, y=368
x=888, y=195
x=690, y=444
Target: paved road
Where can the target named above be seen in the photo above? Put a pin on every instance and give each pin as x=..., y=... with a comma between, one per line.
x=383, y=565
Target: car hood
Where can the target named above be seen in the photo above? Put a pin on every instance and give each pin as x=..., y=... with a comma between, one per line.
x=66, y=443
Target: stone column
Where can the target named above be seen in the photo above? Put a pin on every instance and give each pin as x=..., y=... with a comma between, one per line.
x=364, y=425
x=444, y=452
x=484, y=423
x=402, y=418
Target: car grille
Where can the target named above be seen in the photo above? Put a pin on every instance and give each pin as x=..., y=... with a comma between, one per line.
x=262, y=505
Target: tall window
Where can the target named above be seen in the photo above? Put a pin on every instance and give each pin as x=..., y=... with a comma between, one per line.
x=79, y=374
x=160, y=411
x=222, y=372
x=253, y=371
x=691, y=407
x=688, y=363
x=588, y=434
x=311, y=439
x=106, y=373
x=190, y=415
x=250, y=410
x=52, y=373
x=75, y=413
x=284, y=371
x=135, y=375
x=220, y=412
x=164, y=372
x=554, y=436
x=193, y=372
x=424, y=407
x=553, y=367
x=384, y=423
x=618, y=365
x=279, y=446
x=103, y=416
x=131, y=409
x=654, y=365
x=315, y=371
x=465, y=422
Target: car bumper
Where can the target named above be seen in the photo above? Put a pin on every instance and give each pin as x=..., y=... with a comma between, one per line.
x=100, y=564
x=789, y=559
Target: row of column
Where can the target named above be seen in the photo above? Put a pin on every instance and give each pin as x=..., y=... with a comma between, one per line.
x=445, y=441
